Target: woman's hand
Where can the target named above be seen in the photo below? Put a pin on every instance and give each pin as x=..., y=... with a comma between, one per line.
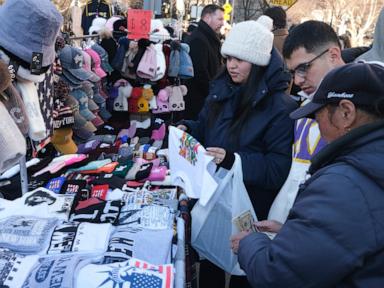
x=268, y=226
x=217, y=153
x=235, y=240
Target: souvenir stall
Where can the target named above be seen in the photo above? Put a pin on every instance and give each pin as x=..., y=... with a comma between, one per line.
x=85, y=130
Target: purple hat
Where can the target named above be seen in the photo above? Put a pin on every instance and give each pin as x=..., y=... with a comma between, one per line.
x=85, y=148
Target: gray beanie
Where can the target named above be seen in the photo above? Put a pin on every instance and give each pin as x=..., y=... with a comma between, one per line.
x=250, y=41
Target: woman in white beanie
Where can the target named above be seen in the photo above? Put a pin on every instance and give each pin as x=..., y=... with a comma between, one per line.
x=247, y=112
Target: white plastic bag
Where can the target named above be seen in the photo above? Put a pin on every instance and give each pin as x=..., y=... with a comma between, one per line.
x=212, y=224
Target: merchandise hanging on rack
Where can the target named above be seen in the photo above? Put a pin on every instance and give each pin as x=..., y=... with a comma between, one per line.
x=93, y=9
x=105, y=168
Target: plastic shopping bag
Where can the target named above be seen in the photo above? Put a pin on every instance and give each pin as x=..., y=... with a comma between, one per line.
x=212, y=224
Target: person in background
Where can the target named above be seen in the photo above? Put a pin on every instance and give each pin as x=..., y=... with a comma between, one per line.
x=191, y=27
x=204, y=45
x=334, y=234
x=349, y=53
x=376, y=52
x=345, y=41
x=246, y=112
x=280, y=31
x=311, y=50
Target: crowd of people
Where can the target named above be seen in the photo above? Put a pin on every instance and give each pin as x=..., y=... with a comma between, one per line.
x=307, y=171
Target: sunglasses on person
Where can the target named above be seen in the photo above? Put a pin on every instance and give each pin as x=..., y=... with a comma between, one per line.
x=302, y=69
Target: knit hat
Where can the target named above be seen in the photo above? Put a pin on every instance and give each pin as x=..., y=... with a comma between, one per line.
x=29, y=26
x=121, y=101
x=85, y=148
x=174, y=60
x=12, y=142
x=162, y=101
x=142, y=45
x=158, y=33
x=147, y=92
x=186, y=67
x=62, y=114
x=160, y=63
x=110, y=21
x=176, y=98
x=142, y=105
x=148, y=66
x=250, y=41
x=97, y=24
x=118, y=60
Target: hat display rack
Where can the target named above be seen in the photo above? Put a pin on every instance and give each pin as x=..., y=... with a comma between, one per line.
x=155, y=83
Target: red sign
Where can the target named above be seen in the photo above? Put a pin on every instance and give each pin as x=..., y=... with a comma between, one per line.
x=139, y=23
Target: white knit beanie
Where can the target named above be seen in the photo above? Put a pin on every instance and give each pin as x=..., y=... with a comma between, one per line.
x=12, y=142
x=250, y=41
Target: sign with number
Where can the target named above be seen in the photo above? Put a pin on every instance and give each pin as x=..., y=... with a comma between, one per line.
x=139, y=23
x=227, y=8
x=286, y=4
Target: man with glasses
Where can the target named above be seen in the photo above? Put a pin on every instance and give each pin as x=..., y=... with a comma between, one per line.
x=311, y=50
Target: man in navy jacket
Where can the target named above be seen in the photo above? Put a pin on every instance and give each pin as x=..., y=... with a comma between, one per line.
x=334, y=235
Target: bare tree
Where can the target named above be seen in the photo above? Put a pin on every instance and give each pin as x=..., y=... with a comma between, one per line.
x=354, y=17
x=249, y=9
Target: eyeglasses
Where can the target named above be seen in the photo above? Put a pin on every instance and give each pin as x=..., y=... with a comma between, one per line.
x=302, y=69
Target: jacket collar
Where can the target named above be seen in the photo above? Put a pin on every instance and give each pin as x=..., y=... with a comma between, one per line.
x=345, y=144
x=208, y=32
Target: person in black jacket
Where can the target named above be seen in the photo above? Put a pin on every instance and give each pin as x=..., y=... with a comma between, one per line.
x=334, y=234
x=204, y=44
x=247, y=112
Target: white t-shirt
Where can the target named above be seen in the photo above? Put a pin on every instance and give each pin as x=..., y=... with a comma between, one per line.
x=133, y=273
x=190, y=167
x=145, y=244
x=308, y=142
x=40, y=202
x=79, y=237
x=15, y=268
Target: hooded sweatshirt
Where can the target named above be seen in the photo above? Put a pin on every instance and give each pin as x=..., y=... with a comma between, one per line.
x=376, y=53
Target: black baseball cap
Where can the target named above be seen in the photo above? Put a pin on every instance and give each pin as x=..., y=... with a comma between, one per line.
x=361, y=83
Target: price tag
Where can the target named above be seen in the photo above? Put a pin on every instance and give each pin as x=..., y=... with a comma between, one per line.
x=139, y=23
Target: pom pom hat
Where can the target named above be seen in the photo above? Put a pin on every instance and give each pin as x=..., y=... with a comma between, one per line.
x=250, y=41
